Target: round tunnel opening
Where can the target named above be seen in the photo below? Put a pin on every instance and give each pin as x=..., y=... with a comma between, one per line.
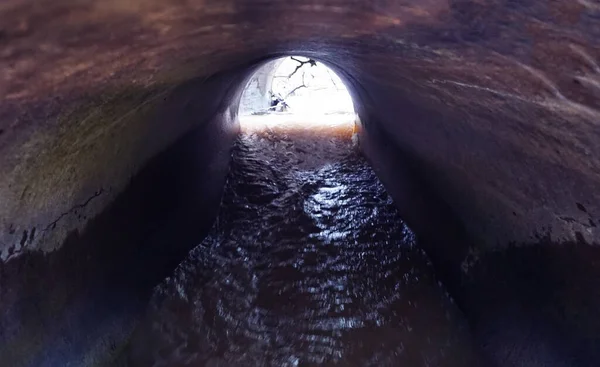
x=307, y=247
x=295, y=90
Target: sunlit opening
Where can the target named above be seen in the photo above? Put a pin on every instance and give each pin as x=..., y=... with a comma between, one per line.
x=298, y=92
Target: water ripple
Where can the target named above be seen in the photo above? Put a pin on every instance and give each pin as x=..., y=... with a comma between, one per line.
x=308, y=264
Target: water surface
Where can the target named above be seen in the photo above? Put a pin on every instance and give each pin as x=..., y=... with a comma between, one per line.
x=308, y=263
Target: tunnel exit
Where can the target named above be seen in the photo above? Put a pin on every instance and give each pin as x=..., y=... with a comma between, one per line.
x=296, y=91
x=308, y=262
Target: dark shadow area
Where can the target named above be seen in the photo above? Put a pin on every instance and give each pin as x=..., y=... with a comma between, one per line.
x=536, y=304
x=81, y=301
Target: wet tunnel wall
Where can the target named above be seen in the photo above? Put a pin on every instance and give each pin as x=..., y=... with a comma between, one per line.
x=481, y=118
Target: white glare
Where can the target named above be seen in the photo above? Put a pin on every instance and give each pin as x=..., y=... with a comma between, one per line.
x=296, y=89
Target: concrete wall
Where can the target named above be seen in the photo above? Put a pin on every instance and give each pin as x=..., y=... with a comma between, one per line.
x=75, y=304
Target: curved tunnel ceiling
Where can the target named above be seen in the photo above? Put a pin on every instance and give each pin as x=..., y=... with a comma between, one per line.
x=495, y=99
x=491, y=105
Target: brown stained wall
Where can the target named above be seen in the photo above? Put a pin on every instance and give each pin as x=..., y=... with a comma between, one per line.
x=490, y=107
x=482, y=92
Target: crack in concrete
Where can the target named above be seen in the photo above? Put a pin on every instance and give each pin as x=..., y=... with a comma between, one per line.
x=17, y=249
x=52, y=224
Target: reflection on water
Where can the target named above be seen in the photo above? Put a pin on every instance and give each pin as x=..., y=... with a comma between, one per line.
x=308, y=264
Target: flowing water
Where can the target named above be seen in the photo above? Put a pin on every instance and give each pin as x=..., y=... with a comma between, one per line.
x=308, y=263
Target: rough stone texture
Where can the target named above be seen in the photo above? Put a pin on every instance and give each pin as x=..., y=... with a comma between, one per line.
x=489, y=106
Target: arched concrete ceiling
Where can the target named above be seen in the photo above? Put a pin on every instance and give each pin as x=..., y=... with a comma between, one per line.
x=496, y=99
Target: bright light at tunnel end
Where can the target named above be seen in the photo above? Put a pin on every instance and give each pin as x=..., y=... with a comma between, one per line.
x=295, y=91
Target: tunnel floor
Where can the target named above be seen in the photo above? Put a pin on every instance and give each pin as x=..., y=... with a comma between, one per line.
x=308, y=263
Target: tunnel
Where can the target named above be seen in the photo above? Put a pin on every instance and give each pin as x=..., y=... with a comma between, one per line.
x=480, y=117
